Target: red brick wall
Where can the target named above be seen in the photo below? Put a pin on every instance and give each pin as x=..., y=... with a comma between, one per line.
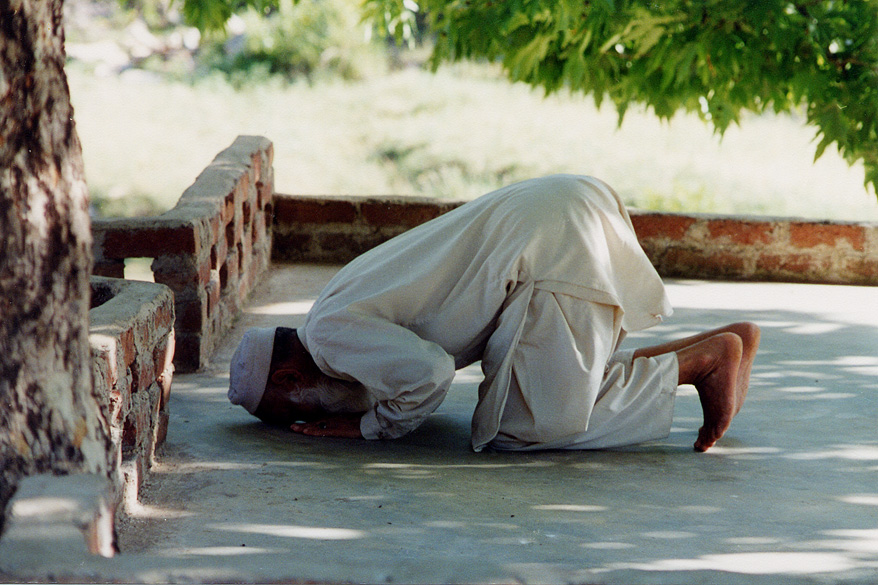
x=132, y=342
x=210, y=249
x=739, y=248
x=336, y=229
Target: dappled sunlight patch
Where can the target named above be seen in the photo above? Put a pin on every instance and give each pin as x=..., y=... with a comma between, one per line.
x=801, y=389
x=756, y=563
x=848, y=452
x=855, y=541
x=752, y=540
x=202, y=466
x=138, y=509
x=298, y=464
x=282, y=308
x=813, y=328
x=397, y=466
x=699, y=509
x=859, y=364
x=719, y=450
x=361, y=499
x=789, y=373
x=669, y=534
x=292, y=531
x=227, y=551
x=823, y=396
x=608, y=545
x=860, y=499
x=569, y=508
x=430, y=471
x=449, y=524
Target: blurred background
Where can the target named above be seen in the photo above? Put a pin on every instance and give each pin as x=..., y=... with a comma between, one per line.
x=351, y=113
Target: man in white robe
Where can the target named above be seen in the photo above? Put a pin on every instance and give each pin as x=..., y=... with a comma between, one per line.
x=540, y=281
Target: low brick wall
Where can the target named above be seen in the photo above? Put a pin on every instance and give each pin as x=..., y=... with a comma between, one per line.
x=336, y=229
x=210, y=249
x=768, y=249
x=132, y=342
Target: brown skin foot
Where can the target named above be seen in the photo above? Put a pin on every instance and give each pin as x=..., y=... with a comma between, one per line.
x=712, y=365
x=750, y=336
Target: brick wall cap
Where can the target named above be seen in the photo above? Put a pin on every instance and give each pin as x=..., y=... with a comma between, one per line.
x=374, y=199
x=130, y=299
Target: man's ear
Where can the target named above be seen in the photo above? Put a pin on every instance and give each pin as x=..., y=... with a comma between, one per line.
x=286, y=374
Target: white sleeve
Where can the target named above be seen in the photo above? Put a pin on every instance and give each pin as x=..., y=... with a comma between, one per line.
x=407, y=375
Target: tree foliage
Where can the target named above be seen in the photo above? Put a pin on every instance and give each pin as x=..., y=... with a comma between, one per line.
x=712, y=57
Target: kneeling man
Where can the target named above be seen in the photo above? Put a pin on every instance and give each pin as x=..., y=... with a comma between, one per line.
x=540, y=281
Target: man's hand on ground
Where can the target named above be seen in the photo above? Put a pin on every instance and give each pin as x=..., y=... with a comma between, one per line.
x=346, y=427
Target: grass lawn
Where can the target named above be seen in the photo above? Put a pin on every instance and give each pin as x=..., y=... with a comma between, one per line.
x=456, y=134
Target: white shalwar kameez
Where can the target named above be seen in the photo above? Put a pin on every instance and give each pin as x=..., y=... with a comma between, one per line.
x=540, y=281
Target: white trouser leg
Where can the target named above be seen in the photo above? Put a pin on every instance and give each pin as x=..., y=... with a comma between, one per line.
x=569, y=390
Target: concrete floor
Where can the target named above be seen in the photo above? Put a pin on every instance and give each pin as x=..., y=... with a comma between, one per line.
x=789, y=495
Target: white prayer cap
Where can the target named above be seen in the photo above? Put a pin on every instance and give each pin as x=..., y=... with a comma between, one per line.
x=248, y=372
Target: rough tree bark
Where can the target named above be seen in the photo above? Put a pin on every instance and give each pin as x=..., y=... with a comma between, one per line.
x=50, y=418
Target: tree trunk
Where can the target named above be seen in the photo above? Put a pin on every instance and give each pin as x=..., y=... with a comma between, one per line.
x=50, y=418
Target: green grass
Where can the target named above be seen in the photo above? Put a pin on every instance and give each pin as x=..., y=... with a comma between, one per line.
x=457, y=134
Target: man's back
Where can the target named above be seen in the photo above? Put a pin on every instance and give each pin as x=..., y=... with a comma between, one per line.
x=447, y=280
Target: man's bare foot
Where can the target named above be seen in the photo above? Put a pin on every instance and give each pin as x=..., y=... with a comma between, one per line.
x=750, y=336
x=712, y=365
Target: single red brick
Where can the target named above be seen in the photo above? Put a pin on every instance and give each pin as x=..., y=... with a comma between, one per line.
x=242, y=189
x=245, y=248
x=229, y=270
x=719, y=264
x=291, y=210
x=257, y=228
x=810, y=235
x=661, y=225
x=145, y=370
x=698, y=263
x=264, y=191
x=219, y=253
x=161, y=428
x=163, y=317
x=776, y=264
x=127, y=348
x=864, y=270
x=215, y=224
x=746, y=233
x=228, y=213
x=141, y=411
x=180, y=276
x=398, y=213
x=238, y=233
x=150, y=242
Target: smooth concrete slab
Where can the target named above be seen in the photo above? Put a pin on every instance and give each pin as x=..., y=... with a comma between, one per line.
x=789, y=495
